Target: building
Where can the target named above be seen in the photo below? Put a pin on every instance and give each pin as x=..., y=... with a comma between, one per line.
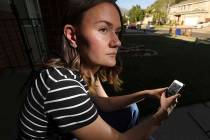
x=190, y=12
x=147, y=19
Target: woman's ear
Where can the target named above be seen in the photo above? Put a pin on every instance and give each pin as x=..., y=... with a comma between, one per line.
x=69, y=32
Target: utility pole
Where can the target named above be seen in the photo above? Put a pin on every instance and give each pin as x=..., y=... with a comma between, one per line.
x=168, y=6
x=168, y=9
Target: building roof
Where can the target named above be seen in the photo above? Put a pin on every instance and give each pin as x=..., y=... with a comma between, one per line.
x=190, y=1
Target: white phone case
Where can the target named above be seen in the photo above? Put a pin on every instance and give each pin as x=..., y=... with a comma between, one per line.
x=174, y=88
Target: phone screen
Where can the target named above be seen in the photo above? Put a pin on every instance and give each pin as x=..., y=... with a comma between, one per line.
x=174, y=88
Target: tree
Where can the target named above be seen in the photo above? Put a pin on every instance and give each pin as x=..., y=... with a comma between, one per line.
x=159, y=16
x=136, y=14
x=124, y=19
x=178, y=1
x=159, y=9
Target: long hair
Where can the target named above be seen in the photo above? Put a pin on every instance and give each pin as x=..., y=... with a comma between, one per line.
x=70, y=56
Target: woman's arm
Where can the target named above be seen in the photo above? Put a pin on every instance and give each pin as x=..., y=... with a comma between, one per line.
x=118, y=102
x=101, y=130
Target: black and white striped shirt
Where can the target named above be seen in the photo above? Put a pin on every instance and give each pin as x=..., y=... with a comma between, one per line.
x=58, y=99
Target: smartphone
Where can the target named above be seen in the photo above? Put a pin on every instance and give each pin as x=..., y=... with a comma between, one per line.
x=174, y=88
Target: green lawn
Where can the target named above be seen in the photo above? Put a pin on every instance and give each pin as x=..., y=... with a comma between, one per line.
x=175, y=59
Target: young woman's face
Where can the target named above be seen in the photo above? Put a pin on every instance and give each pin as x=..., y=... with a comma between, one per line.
x=98, y=40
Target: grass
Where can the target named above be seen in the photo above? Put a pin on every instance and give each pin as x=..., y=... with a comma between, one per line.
x=162, y=27
x=176, y=59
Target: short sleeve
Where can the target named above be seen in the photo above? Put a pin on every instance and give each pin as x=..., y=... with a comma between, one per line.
x=69, y=105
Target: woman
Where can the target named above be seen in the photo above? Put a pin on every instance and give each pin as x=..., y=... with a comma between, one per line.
x=58, y=102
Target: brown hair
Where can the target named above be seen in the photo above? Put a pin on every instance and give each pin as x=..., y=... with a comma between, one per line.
x=70, y=57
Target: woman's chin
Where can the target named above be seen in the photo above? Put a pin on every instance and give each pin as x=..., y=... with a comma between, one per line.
x=111, y=64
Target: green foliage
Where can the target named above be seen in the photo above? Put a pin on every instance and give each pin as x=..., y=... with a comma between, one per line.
x=159, y=11
x=136, y=14
x=177, y=1
x=160, y=8
x=159, y=17
x=124, y=18
x=162, y=5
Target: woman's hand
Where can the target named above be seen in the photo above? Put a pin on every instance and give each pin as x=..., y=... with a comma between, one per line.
x=168, y=103
x=166, y=106
x=155, y=92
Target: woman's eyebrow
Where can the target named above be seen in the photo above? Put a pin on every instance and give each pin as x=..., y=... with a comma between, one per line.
x=108, y=23
x=104, y=21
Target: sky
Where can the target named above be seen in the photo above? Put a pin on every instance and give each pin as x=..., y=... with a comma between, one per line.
x=129, y=3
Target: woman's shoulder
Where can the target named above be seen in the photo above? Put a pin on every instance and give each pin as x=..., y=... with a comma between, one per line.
x=60, y=73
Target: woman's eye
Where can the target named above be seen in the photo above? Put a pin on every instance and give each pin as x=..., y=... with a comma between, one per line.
x=117, y=33
x=103, y=30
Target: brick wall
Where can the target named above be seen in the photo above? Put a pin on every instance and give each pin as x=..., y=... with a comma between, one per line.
x=11, y=48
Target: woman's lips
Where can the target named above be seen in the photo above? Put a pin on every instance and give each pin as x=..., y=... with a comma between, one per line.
x=112, y=54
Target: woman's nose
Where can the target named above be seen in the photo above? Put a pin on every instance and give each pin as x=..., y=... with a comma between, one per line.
x=115, y=41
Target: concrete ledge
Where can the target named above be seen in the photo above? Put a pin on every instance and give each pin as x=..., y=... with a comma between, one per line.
x=185, y=38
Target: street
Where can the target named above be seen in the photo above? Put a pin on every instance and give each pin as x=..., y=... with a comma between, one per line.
x=197, y=33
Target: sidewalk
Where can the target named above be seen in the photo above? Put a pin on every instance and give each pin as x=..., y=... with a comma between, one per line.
x=187, y=123
x=197, y=34
x=203, y=30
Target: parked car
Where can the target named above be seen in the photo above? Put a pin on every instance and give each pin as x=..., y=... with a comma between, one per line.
x=132, y=26
x=150, y=26
x=202, y=24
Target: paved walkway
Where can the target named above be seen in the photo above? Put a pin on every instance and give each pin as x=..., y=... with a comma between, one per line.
x=187, y=123
x=203, y=30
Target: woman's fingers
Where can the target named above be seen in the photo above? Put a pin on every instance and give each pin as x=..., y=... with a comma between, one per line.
x=160, y=90
x=169, y=103
x=157, y=92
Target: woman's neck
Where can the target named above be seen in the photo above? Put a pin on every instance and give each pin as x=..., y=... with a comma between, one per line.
x=90, y=69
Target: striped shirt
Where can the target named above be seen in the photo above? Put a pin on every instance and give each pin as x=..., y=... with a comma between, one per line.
x=56, y=101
